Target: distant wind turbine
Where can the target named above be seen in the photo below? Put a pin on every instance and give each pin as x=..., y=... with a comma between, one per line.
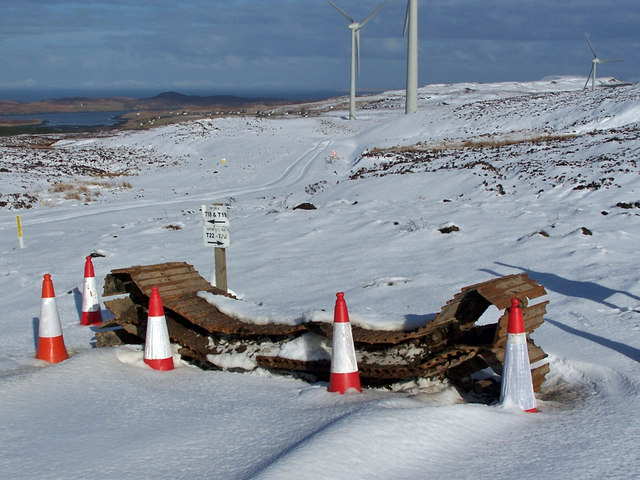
x=355, y=52
x=594, y=63
x=411, y=27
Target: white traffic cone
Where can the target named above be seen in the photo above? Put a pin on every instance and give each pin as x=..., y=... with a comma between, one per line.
x=517, y=386
x=51, y=346
x=157, y=347
x=344, y=366
x=91, y=314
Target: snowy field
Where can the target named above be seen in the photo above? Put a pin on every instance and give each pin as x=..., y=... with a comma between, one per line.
x=538, y=177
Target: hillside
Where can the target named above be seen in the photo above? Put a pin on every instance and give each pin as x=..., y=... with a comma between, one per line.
x=163, y=101
x=485, y=180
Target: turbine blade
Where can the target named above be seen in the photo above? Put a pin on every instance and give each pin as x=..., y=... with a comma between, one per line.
x=372, y=14
x=609, y=61
x=342, y=12
x=590, y=46
x=589, y=77
x=406, y=21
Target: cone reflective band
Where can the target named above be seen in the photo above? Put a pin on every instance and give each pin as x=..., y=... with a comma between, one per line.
x=517, y=386
x=157, y=347
x=51, y=346
x=344, y=366
x=91, y=314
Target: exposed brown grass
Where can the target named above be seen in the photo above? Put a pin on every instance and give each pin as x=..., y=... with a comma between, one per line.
x=85, y=190
x=472, y=143
x=114, y=174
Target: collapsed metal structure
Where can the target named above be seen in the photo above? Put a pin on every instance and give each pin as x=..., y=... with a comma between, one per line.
x=450, y=345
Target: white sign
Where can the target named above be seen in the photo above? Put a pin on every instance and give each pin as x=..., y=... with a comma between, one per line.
x=215, y=226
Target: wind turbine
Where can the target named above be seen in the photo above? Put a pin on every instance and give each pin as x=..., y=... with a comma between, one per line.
x=594, y=63
x=411, y=27
x=355, y=52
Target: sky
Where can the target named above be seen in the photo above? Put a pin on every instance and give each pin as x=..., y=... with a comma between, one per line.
x=304, y=45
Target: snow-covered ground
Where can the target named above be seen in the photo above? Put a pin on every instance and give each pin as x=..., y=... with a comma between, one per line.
x=538, y=177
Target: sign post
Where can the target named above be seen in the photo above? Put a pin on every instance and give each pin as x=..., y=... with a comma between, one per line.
x=19, y=231
x=215, y=226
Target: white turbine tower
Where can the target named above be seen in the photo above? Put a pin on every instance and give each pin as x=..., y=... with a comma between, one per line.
x=411, y=27
x=355, y=52
x=594, y=63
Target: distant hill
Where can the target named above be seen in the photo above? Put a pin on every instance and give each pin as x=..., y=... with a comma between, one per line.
x=163, y=101
x=175, y=98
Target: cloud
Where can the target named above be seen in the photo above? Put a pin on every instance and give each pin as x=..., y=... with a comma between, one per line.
x=306, y=42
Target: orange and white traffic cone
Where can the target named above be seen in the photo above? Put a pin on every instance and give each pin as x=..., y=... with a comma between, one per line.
x=91, y=314
x=517, y=386
x=157, y=347
x=51, y=346
x=344, y=366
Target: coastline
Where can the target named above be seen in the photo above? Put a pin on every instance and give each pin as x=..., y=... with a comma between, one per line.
x=60, y=122
x=10, y=122
x=140, y=114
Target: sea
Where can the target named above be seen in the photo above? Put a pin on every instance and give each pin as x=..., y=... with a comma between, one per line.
x=80, y=119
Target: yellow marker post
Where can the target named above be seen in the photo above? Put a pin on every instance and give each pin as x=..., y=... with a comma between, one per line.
x=19, y=231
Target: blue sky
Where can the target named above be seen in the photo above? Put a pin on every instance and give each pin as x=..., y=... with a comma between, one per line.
x=291, y=45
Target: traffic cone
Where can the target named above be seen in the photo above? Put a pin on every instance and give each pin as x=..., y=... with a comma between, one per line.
x=91, y=314
x=344, y=366
x=50, y=341
x=157, y=348
x=517, y=386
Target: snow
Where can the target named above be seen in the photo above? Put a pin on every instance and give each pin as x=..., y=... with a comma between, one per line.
x=538, y=177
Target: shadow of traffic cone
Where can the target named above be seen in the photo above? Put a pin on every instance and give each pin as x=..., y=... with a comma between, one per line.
x=344, y=366
x=91, y=314
x=517, y=386
x=51, y=346
x=157, y=347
